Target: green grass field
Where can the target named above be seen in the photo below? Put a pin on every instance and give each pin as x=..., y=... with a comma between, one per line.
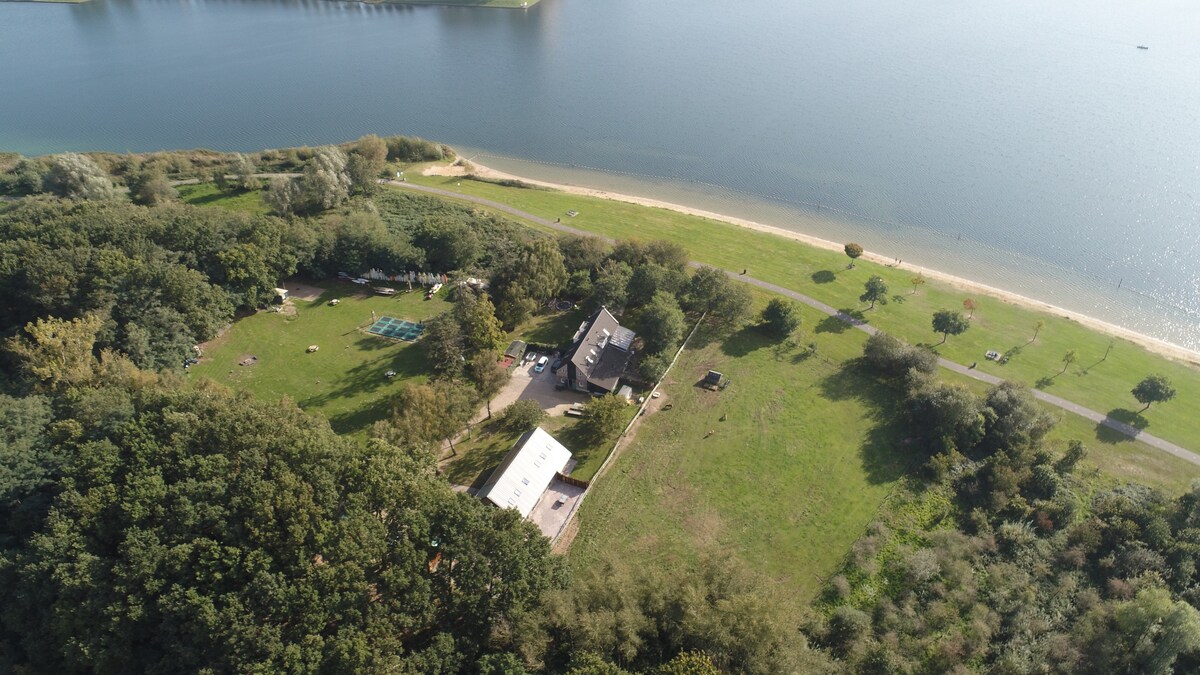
x=207, y=194
x=1102, y=385
x=786, y=483
x=808, y=451
x=344, y=380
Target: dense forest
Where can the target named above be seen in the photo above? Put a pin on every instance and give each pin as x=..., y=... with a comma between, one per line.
x=153, y=524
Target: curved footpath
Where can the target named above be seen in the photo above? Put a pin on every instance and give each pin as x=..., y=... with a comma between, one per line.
x=1104, y=420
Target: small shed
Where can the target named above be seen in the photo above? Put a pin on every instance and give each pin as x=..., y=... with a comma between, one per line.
x=281, y=296
x=713, y=379
x=625, y=392
x=515, y=350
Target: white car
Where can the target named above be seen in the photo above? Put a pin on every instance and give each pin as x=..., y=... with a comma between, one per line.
x=362, y=282
x=541, y=364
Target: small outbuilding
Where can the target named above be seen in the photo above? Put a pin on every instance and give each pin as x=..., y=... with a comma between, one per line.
x=526, y=472
x=281, y=296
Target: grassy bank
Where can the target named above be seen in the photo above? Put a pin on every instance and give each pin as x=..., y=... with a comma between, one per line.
x=344, y=380
x=1099, y=383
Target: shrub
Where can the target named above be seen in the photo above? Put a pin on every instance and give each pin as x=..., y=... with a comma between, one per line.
x=523, y=415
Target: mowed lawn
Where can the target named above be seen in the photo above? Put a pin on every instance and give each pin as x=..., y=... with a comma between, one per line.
x=344, y=380
x=1098, y=383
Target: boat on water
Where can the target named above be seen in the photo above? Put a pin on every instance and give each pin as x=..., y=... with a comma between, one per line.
x=1143, y=47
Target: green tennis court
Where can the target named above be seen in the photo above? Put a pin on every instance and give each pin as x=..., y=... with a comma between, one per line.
x=399, y=329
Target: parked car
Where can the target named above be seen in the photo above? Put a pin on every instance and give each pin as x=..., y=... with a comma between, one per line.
x=541, y=364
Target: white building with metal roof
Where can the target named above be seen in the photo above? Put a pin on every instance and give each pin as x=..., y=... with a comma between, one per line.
x=526, y=472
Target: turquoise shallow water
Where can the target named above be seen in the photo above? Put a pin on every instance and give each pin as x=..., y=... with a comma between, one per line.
x=1027, y=146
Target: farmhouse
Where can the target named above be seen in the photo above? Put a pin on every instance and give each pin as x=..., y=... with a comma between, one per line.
x=527, y=470
x=598, y=355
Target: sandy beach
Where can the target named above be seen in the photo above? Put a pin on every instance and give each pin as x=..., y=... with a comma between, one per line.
x=464, y=166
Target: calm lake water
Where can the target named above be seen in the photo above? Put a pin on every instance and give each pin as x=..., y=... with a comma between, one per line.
x=1021, y=143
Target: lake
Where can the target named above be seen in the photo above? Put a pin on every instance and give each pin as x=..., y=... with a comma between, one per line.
x=1024, y=144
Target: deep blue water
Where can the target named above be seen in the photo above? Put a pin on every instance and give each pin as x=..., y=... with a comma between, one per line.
x=1022, y=143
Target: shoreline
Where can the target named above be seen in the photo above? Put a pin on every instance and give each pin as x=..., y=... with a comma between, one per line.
x=1156, y=345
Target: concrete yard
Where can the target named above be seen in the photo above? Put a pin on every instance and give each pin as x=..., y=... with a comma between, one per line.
x=526, y=384
x=549, y=515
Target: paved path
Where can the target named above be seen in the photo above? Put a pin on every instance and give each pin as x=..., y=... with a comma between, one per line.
x=1099, y=418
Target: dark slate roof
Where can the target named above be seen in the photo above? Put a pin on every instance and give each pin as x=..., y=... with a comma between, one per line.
x=608, y=359
x=516, y=349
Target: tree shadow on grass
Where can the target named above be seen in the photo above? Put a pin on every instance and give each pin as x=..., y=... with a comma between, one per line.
x=361, y=417
x=712, y=331
x=884, y=455
x=1128, y=425
x=823, y=277
x=368, y=378
x=472, y=467
x=745, y=341
x=841, y=322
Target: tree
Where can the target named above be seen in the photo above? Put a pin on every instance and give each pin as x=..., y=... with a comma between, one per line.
x=445, y=345
x=582, y=253
x=1015, y=420
x=917, y=282
x=970, y=305
x=948, y=322
x=325, y=183
x=243, y=170
x=521, y=416
x=481, y=330
x=1037, y=328
x=1067, y=360
x=893, y=358
x=875, y=289
x=780, y=318
x=1153, y=389
x=366, y=160
x=449, y=244
x=77, y=176
x=711, y=290
x=284, y=195
x=604, y=417
x=662, y=323
x=853, y=250
x=652, y=278
x=542, y=273
x=653, y=366
x=1076, y=451
x=427, y=414
x=489, y=376
x=950, y=415
x=612, y=281
x=150, y=187
x=56, y=353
